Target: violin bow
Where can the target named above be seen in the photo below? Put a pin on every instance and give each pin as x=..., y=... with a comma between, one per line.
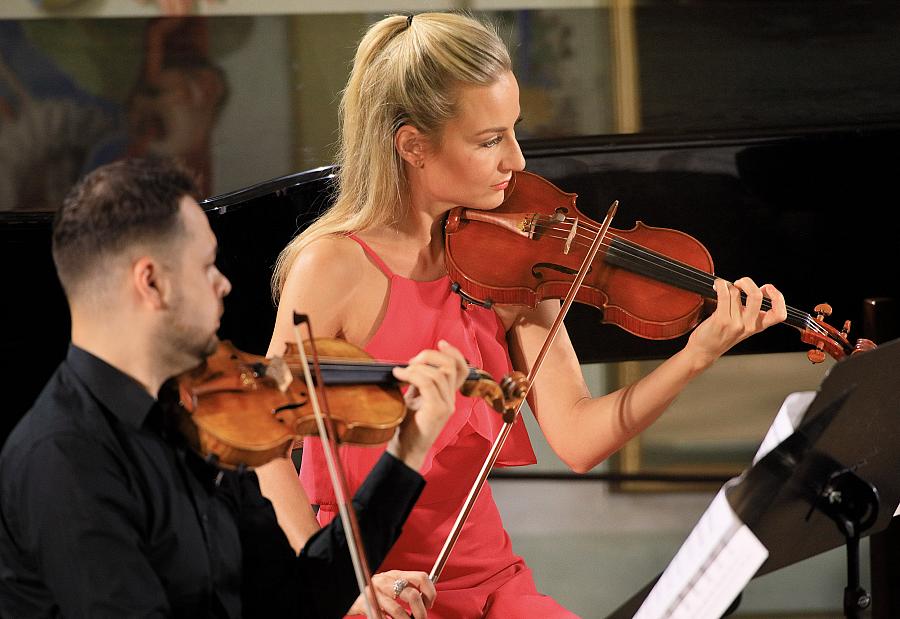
x=328, y=436
x=494, y=453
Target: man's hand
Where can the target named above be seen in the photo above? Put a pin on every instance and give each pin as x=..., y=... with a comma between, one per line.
x=415, y=591
x=434, y=377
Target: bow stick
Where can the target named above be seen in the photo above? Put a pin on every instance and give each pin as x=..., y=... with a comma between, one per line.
x=494, y=453
x=336, y=472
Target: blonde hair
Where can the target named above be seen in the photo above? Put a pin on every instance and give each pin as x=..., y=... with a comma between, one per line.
x=407, y=70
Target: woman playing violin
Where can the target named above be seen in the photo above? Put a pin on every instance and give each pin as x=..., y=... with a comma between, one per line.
x=428, y=123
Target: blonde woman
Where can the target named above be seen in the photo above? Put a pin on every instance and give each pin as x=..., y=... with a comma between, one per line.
x=428, y=123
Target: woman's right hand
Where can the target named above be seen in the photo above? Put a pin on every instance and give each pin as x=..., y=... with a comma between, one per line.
x=416, y=591
x=434, y=377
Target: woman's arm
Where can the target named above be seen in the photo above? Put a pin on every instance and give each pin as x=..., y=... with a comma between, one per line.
x=279, y=483
x=584, y=430
x=318, y=285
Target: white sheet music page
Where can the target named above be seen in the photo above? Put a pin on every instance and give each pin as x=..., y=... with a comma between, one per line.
x=711, y=568
x=786, y=421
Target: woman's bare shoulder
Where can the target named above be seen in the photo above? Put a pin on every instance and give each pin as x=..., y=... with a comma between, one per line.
x=321, y=283
x=330, y=258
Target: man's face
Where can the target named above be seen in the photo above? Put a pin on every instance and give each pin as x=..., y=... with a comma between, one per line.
x=198, y=288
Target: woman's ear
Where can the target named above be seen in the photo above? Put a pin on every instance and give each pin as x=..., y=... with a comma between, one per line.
x=411, y=144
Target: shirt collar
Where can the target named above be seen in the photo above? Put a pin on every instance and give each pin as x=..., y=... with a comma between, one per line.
x=119, y=393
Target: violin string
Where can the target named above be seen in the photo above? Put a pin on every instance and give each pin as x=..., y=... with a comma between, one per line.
x=363, y=366
x=697, y=275
x=686, y=271
x=637, y=252
x=689, y=273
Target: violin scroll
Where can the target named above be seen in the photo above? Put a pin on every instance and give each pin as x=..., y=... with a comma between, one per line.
x=828, y=339
x=504, y=397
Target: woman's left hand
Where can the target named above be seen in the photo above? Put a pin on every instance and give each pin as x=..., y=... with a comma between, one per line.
x=414, y=589
x=735, y=320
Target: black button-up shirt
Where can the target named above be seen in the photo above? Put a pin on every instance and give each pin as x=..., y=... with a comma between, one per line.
x=101, y=516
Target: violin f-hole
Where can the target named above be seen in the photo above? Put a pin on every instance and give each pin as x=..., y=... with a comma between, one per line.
x=554, y=267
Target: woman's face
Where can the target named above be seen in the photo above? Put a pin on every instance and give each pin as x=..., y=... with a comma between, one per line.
x=478, y=151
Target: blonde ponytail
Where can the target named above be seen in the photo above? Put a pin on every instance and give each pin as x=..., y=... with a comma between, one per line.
x=406, y=71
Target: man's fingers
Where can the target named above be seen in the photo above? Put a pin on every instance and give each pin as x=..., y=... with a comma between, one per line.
x=723, y=295
x=422, y=582
x=462, y=366
x=448, y=359
x=432, y=383
x=390, y=606
x=413, y=598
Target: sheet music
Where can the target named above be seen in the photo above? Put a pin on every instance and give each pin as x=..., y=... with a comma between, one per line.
x=721, y=554
x=711, y=568
x=786, y=421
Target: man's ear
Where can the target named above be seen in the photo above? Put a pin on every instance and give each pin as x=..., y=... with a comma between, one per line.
x=151, y=284
x=412, y=145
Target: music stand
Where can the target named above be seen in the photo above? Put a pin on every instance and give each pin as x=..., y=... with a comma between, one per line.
x=832, y=481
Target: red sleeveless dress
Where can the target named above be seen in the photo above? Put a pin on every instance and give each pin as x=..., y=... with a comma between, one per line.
x=482, y=576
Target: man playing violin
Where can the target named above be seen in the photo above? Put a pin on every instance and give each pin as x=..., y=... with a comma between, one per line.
x=103, y=511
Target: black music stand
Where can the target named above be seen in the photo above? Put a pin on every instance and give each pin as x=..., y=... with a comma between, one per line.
x=834, y=480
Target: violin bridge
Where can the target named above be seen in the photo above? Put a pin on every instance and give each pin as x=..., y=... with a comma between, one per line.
x=571, y=237
x=279, y=372
x=528, y=225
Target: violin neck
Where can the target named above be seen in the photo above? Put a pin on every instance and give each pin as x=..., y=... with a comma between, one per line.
x=344, y=373
x=649, y=263
x=350, y=373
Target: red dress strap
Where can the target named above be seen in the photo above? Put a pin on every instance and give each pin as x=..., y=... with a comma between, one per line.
x=371, y=254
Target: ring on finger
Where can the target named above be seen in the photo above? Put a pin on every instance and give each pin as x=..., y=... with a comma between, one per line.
x=399, y=585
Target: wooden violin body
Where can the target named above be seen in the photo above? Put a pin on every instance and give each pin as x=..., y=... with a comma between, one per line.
x=243, y=410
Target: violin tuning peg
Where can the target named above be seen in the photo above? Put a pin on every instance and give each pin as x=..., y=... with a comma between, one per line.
x=815, y=355
x=822, y=310
x=846, y=328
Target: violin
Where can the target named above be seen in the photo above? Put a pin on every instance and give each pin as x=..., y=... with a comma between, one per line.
x=652, y=282
x=242, y=410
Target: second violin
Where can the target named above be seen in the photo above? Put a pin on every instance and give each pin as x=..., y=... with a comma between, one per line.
x=240, y=409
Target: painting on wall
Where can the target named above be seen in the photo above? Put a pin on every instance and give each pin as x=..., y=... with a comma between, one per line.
x=75, y=94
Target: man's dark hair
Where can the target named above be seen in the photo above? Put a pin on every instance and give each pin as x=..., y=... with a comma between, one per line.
x=114, y=207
